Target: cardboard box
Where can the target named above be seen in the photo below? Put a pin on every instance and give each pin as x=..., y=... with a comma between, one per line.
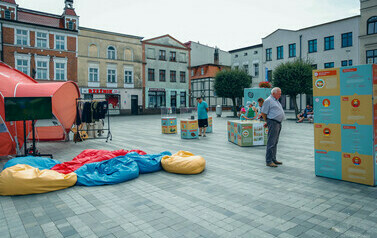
x=210, y=125
x=247, y=133
x=326, y=109
x=328, y=164
x=357, y=138
x=187, y=124
x=190, y=134
x=326, y=82
x=356, y=109
x=169, y=129
x=358, y=168
x=169, y=125
x=327, y=137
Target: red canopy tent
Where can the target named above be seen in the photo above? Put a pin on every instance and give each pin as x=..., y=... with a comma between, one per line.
x=14, y=83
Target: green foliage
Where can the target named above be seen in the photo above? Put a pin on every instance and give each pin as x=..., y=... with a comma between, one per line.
x=294, y=77
x=231, y=83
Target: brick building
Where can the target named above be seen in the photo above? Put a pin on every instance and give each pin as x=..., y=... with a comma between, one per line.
x=42, y=45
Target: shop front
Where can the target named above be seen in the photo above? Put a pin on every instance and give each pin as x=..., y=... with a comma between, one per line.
x=161, y=97
x=112, y=96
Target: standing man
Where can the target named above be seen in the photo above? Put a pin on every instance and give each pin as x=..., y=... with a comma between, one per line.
x=273, y=115
x=202, y=116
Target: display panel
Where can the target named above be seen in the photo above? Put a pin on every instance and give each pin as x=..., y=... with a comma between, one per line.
x=27, y=108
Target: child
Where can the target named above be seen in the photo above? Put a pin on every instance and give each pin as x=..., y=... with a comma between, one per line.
x=243, y=115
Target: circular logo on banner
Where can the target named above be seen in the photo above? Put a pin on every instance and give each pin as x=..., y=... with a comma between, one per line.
x=355, y=103
x=320, y=83
x=356, y=161
x=245, y=133
x=326, y=103
x=327, y=131
x=250, y=94
x=316, y=74
x=317, y=100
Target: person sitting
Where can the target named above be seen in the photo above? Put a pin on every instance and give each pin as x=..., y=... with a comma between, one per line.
x=306, y=113
x=251, y=110
x=243, y=116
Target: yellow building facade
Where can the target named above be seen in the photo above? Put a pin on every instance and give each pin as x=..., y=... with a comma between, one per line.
x=110, y=66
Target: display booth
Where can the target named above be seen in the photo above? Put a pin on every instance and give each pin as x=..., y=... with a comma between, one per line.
x=345, y=123
x=14, y=83
x=247, y=133
x=189, y=123
x=210, y=125
x=169, y=120
x=253, y=94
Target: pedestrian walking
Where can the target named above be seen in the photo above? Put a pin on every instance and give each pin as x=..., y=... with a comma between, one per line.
x=273, y=115
x=202, y=116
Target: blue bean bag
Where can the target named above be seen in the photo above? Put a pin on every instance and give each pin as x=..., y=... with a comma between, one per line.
x=112, y=171
x=37, y=162
x=148, y=163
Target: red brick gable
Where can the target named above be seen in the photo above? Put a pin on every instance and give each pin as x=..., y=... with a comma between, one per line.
x=9, y=1
x=33, y=18
x=69, y=11
x=210, y=71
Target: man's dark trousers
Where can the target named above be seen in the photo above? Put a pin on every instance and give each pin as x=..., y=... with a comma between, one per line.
x=274, y=128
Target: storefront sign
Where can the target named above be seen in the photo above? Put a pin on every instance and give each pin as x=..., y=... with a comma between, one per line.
x=100, y=91
x=157, y=89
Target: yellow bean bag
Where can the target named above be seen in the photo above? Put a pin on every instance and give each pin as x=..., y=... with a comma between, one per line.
x=24, y=179
x=183, y=162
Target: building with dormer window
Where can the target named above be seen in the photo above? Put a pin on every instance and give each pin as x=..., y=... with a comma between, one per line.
x=40, y=44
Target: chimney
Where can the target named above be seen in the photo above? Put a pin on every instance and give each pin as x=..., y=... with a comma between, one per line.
x=216, y=56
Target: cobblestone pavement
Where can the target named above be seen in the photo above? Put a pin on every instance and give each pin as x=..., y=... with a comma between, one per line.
x=236, y=196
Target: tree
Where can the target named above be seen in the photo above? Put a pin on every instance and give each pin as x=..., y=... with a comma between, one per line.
x=230, y=84
x=294, y=78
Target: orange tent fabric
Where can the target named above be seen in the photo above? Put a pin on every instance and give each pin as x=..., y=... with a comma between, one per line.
x=14, y=83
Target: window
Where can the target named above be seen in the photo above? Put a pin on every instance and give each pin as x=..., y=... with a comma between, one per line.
x=128, y=76
x=372, y=56
x=42, y=69
x=173, y=56
x=344, y=63
x=7, y=14
x=246, y=68
x=312, y=46
x=151, y=53
x=255, y=52
x=268, y=54
x=347, y=39
x=329, y=43
x=41, y=40
x=182, y=57
x=162, y=55
x=173, y=76
x=372, y=25
x=202, y=71
x=156, y=99
x=93, y=74
x=182, y=77
x=269, y=75
x=111, y=52
x=279, y=51
x=22, y=37
x=150, y=74
x=256, y=70
x=314, y=66
x=173, y=98
x=236, y=56
x=60, y=71
x=329, y=65
x=245, y=54
x=111, y=75
x=23, y=65
x=350, y=63
x=192, y=73
x=183, y=99
x=70, y=25
x=292, y=50
x=162, y=75
x=59, y=42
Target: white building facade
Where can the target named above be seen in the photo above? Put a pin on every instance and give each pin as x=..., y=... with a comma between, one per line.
x=329, y=45
x=249, y=59
x=203, y=54
x=166, y=73
x=368, y=32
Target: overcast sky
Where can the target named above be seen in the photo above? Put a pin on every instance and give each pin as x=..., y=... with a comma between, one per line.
x=228, y=24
